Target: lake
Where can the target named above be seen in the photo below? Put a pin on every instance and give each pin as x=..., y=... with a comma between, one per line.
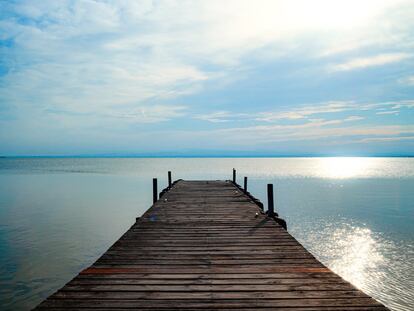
x=58, y=215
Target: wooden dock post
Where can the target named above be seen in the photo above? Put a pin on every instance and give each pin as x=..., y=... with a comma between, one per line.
x=245, y=184
x=154, y=190
x=234, y=175
x=270, y=202
x=169, y=179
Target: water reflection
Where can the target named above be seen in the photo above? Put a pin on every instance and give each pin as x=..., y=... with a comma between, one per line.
x=354, y=214
x=347, y=167
x=209, y=168
x=363, y=257
x=355, y=254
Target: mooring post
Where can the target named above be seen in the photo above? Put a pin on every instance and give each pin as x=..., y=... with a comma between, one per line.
x=169, y=179
x=245, y=184
x=154, y=190
x=234, y=175
x=270, y=203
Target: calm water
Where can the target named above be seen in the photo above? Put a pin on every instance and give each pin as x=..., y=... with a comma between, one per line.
x=58, y=215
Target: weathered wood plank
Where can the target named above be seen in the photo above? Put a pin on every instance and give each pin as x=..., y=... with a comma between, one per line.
x=206, y=245
x=149, y=281
x=208, y=287
x=177, y=304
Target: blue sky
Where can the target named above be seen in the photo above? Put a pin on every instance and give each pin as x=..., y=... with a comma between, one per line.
x=207, y=77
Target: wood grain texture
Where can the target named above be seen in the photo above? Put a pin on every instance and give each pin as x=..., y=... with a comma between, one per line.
x=206, y=245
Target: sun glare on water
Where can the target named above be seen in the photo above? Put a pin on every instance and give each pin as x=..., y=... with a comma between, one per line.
x=355, y=254
x=344, y=167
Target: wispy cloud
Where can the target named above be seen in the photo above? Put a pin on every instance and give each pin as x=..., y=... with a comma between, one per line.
x=354, y=118
x=407, y=80
x=216, y=117
x=313, y=131
x=377, y=60
x=310, y=116
x=150, y=114
x=394, y=112
x=333, y=107
x=386, y=139
x=64, y=70
x=306, y=111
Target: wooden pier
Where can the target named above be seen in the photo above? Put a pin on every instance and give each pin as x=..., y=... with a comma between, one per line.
x=208, y=245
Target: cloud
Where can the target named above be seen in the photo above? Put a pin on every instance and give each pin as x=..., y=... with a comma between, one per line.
x=153, y=45
x=77, y=65
x=303, y=124
x=333, y=107
x=377, y=60
x=394, y=112
x=385, y=139
x=224, y=116
x=305, y=111
x=353, y=118
x=215, y=117
x=407, y=80
x=332, y=131
x=150, y=114
x=331, y=110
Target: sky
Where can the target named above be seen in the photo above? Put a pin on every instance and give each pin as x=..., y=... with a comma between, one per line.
x=320, y=77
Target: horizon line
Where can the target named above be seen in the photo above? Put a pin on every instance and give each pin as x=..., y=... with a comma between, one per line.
x=212, y=156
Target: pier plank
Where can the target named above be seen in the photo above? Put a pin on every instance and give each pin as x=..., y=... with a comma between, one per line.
x=207, y=245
